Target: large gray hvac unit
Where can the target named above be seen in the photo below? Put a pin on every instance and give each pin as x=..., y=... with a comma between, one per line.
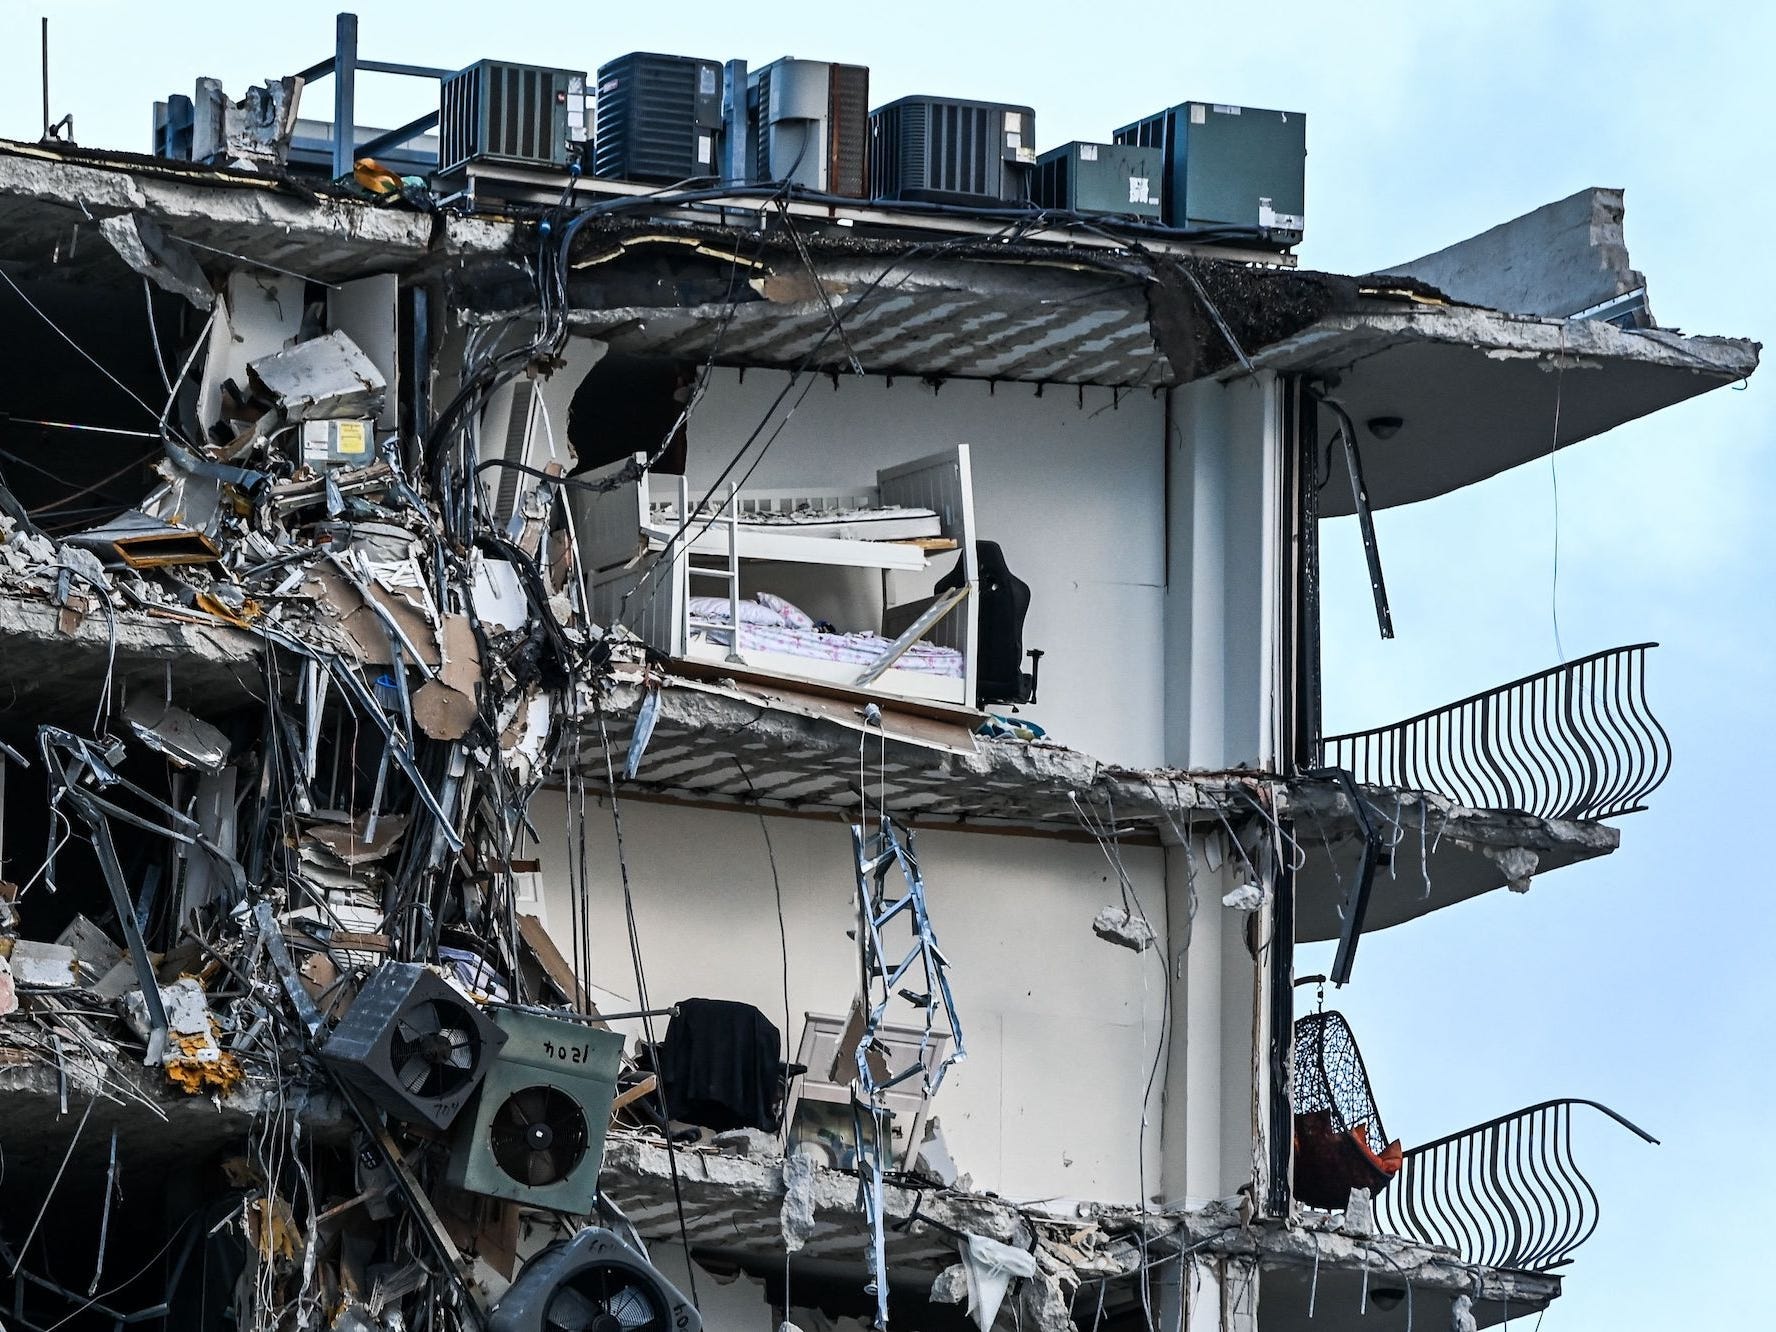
x=941, y=150
x=592, y=1283
x=523, y=114
x=412, y=1044
x=659, y=117
x=1230, y=167
x=536, y=1134
x=808, y=122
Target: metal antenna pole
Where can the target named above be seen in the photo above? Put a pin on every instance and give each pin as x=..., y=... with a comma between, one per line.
x=46, y=76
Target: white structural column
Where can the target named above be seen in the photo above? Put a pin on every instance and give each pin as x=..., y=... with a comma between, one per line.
x=1221, y=599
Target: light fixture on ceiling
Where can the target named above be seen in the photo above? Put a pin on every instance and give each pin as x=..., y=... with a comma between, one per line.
x=1384, y=427
x=1387, y=1297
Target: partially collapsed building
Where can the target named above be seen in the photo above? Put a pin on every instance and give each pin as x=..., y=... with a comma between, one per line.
x=587, y=756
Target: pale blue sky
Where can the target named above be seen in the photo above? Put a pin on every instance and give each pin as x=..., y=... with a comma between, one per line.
x=1637, y=980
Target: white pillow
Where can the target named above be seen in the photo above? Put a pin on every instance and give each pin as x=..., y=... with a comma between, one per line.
x=716, y=608
x=790, y=614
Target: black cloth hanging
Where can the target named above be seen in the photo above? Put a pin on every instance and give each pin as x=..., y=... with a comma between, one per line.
x=721, y=1066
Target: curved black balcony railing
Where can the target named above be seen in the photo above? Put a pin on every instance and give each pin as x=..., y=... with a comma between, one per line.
x=1506, y=1193
x=1575, y=742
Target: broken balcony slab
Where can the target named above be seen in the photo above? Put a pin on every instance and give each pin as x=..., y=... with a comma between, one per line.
x=50, y=195
x=1476, y=392
x=158, y=1128
x=736, y=1204
x=724, y=741
x=1436, y=853
x=58, y=661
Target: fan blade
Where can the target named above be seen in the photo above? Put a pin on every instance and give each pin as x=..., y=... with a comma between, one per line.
x=570, y=1311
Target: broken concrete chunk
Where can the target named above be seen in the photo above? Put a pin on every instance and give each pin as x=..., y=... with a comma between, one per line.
x=951, y=1285
x=8, y=994
x=1517, y=862
x=324, y=378
x=1359, y=1214
x=95, y=955
x=797, y=1217
x=1116, y=925
x=143, y=246
x=186, y=740
x=44, y=965
x=747, y=1142
x=1244, y=897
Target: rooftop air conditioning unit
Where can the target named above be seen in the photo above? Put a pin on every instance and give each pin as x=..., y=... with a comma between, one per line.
x=940, y=150
x=412, y=1044
x=1109, y=179
x=523, y=114
x=536, y=1135
x=658, y=118
x=808, y=122
x=1230, y=167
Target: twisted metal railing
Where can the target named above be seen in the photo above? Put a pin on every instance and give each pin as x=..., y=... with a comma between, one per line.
x=1505, y=1193
x=1575, y=742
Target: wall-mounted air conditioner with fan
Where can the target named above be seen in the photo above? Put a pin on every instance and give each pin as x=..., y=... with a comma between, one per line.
x=412, y=1044
x=592, y=1283
x=537, y=1133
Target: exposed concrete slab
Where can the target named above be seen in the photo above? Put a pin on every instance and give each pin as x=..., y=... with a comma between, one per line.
x=1477, y=390
x=1443, y=853
x=45, y=197
x=1563, y=257
x=53, y=675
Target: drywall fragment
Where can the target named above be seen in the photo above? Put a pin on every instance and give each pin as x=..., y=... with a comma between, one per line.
x=348, y=842
x=797, y=1218
x=8, y=995
x=1359, y=1214
x=325, y=378
x=44, y=965
x=186, y=740
x=933, y=1159
x=991, y=1267
x=1115, y=924
x=498, y=595
x=1517, y=862
x=445, y=707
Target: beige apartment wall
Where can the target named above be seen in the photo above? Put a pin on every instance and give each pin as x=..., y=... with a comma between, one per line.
x=1062, y=1028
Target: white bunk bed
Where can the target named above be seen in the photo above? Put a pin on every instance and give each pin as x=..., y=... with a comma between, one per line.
x=647, y=568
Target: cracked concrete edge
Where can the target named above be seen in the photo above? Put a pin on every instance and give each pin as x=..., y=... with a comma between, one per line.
x=1575, y=343
x=383, y=237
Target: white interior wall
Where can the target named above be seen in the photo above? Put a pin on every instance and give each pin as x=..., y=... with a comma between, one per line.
x=1061, y=1027
x=1225, y=444
x=1071, y=492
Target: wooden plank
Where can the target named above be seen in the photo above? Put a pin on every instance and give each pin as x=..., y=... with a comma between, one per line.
x=555, y=966
x=927, y=620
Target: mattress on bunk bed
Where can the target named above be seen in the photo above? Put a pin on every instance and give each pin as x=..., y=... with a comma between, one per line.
x=891, y=523
x=860, y=649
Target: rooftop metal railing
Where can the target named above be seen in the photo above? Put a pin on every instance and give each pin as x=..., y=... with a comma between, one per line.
x=1578, y=741
x=1506, y=1193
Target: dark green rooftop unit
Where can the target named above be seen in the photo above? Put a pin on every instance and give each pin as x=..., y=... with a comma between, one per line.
x=494, y=111
x=945, y=150
x=1107, y=179
x=659, y=118
x=1230, y=167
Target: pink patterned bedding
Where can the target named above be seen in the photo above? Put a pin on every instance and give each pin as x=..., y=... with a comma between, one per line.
x=853, y=649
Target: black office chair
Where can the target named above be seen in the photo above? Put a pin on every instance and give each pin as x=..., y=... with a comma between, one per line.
x=1004, y=600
